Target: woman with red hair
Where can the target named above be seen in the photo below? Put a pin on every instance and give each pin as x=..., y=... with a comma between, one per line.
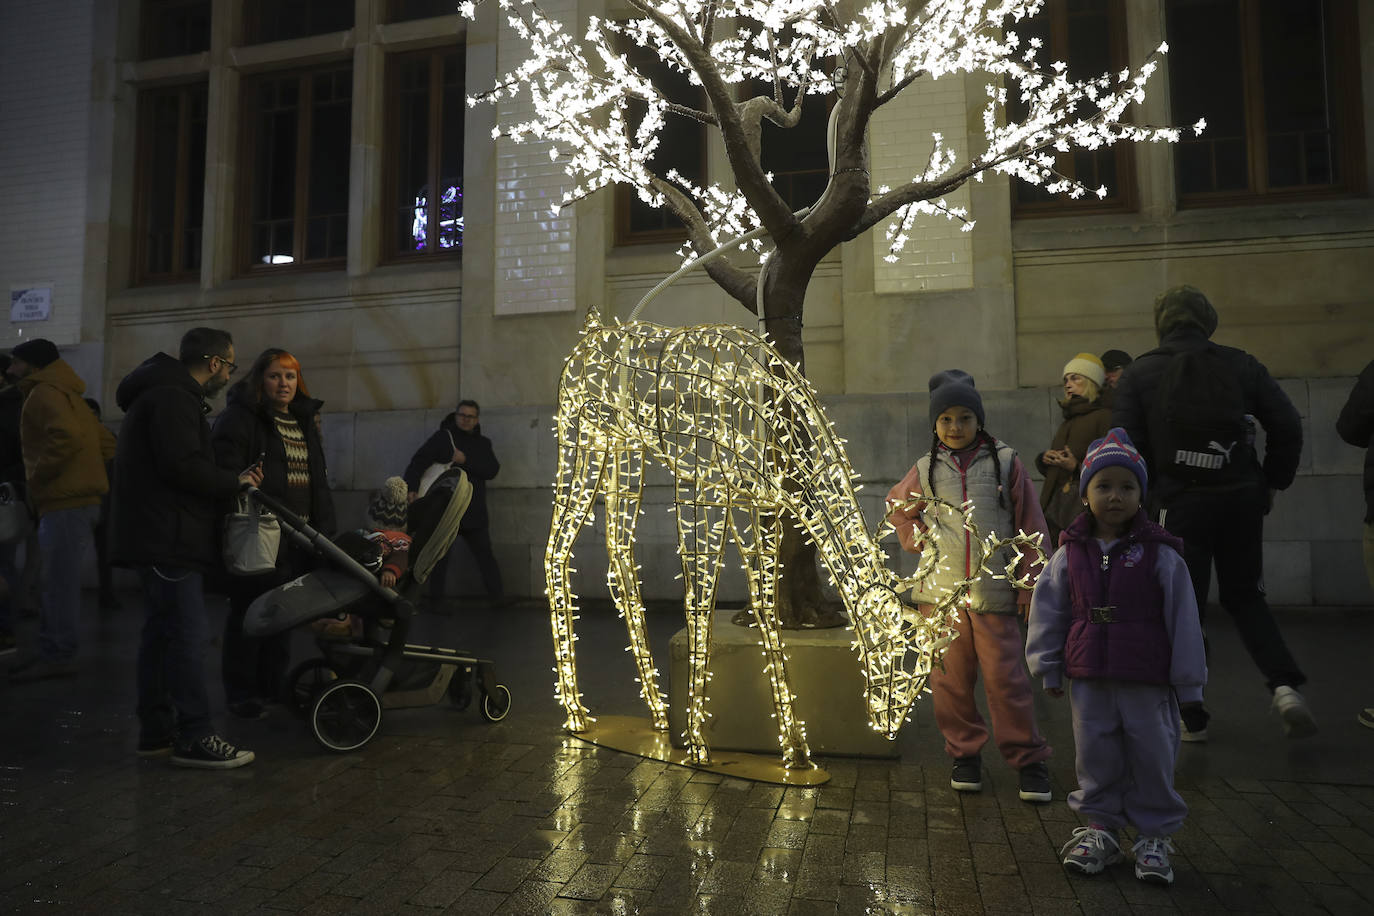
x=270, y=417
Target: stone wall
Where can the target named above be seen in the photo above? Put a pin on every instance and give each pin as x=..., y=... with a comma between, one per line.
x=46, y=105
x=1312, y=552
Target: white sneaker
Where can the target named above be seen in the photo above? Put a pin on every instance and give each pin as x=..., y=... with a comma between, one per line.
x=1091, y=849
x=1152, y=859
x=1292, y=709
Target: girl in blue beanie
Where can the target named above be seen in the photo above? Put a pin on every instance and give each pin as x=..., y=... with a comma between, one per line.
x=966, y=463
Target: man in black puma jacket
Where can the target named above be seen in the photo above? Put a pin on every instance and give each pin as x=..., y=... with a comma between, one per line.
x=1223, y=523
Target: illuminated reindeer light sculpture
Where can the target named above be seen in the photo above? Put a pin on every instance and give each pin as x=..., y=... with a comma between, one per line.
x=744, y=436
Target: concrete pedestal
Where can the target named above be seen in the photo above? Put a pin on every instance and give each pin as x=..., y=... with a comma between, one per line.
x=826, y=679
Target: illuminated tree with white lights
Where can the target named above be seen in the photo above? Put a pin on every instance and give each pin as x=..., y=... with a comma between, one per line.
x=604, y=118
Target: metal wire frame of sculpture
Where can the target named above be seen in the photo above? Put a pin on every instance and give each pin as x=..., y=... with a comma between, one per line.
x=744, y=437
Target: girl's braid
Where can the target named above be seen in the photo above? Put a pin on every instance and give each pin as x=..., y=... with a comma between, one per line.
x=985, y=436
x=930, y=471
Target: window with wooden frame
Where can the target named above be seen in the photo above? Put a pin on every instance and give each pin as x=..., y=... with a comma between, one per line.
x=681, y=146
x=1278, y=83
x=279, y=20
x=797, y=156
x=1090, y=37
x=405, y=10
x=171, y=28
x=169, y=183
x=295, y=168
x=424, y=166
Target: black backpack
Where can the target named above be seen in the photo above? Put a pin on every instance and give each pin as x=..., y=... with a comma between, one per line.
x=1200, y=432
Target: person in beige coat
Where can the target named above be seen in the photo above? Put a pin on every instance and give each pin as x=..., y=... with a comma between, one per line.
x=65, y=449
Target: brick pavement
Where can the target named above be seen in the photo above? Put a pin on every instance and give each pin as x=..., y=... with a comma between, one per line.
x=445, y=813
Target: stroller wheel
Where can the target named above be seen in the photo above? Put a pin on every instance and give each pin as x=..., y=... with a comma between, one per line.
x=496, y=704
x=345, y=716
x=305, y=681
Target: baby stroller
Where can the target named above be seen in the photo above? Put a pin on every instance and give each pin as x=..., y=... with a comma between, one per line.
x=344, y=692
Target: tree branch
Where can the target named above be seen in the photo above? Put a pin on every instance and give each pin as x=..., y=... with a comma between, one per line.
x=897, y=87
x=736, y=282
x=771, y=209
x=910, y=193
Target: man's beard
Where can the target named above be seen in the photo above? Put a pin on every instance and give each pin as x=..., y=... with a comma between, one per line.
x=214, y=385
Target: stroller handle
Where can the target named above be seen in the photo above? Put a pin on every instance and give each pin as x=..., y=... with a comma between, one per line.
x=317, y=542
x=277, y=506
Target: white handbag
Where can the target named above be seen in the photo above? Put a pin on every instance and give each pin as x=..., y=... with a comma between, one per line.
x=432, y=472
x=252, y=537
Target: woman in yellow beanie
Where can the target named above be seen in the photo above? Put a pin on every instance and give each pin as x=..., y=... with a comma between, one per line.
x=1086, y=419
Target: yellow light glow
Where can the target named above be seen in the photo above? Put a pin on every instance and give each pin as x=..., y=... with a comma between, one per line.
x=744, y=436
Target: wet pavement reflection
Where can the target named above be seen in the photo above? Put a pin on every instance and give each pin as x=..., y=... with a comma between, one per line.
x=444, y=812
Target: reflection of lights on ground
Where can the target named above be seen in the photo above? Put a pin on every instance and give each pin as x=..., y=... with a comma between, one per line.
x=745, y=437
x=778, y=864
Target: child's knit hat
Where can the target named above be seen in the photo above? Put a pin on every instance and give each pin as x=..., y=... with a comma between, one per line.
x=388, y=507
x=954, y=388
x=1113, y=449
x=1088, y=366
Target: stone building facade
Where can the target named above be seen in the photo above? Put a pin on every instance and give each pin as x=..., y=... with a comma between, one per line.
x=306, y=175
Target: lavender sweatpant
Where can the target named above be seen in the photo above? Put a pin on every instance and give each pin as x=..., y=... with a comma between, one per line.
x=1126, y=740
x=992, y=643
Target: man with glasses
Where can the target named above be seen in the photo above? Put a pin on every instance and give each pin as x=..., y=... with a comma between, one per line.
x=459, y=441
x=168, y=501
x=65, y=449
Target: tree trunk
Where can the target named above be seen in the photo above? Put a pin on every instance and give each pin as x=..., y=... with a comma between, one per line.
x=800, y=602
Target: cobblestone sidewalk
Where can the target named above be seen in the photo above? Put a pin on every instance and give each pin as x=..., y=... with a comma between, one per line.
x=445, y=813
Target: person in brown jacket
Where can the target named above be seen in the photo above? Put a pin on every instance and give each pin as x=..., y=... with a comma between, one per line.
x=1086, y=419
x=65, y=449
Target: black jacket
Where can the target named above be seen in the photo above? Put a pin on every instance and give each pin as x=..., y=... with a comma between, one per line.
x=1356, y=426
x=1264, y=399
x=11, y=454
x=167, y=494
x=245, y=431
x=481, y=465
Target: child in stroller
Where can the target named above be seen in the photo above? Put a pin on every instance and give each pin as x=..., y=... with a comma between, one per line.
x=344, y=692
x=383, y=547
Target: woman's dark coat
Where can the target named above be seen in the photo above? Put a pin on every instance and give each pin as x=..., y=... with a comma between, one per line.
x=244, y=432
x=1084, y=421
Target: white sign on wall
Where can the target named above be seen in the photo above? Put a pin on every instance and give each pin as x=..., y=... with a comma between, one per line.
x=30, y=303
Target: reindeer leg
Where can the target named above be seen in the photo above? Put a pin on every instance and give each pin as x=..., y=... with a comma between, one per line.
x=701, y=521
x=623, y=496
x=758, y=545
x=579, y=479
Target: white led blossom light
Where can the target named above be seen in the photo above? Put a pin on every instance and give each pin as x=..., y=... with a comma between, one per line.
x=604, y=119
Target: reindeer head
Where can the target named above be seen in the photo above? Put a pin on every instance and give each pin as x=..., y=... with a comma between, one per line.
x=898, y=644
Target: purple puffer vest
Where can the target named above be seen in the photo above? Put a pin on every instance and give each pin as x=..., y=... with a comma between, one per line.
x=1118, y=622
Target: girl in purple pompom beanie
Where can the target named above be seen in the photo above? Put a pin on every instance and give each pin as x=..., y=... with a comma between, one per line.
x=1114, y=612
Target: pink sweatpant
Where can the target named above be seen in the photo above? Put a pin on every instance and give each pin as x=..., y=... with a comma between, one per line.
x=993, y=643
